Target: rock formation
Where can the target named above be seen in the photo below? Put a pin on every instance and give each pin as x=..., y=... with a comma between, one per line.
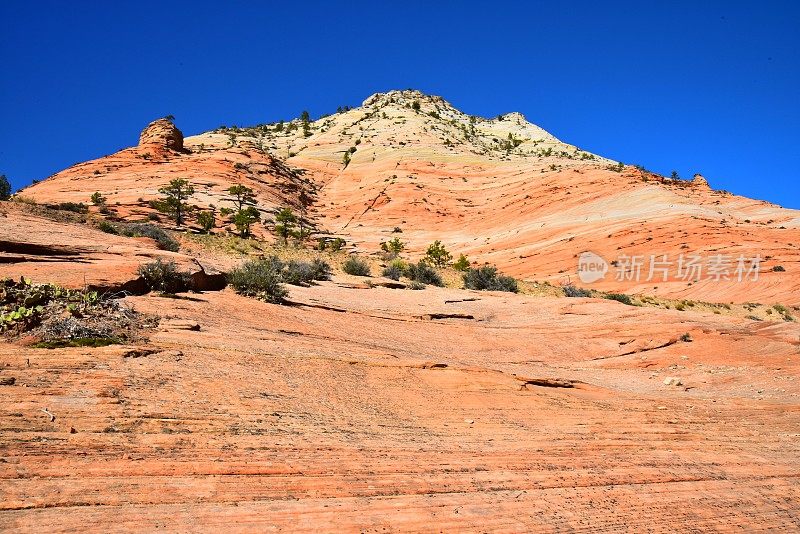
x=162, y=132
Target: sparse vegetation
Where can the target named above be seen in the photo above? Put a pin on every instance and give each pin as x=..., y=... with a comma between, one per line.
x=486, y=278
x=356, y=266
x=778, y=269
x=64, y=317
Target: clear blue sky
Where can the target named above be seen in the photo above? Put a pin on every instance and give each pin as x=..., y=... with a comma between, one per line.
x=710, y=87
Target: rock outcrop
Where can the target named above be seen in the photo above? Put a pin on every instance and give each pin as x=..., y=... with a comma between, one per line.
x=700, y=182
x=162, y=132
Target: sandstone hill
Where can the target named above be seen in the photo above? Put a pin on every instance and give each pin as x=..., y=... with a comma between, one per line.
x=500, y=190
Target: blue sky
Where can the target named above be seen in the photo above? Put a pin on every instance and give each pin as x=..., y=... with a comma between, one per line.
x=710, y=87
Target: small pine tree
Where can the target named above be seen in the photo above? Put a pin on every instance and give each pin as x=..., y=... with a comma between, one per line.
x=242, y=196
x=415, y=105
x=674, y=175
x=437, y=254
x=394, y=246
x=98, y=199
x=206, y=220
x=462, y=264
x=5, y=188
x=285, y=220
x=245, y=218
x=174, y=200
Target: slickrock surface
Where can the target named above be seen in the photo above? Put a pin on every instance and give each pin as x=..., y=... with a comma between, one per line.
x=352, y=410
x=500, y=190
x=77, y=255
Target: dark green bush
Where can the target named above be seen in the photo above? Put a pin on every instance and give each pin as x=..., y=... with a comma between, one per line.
x=625, y=299
x=164, y=276
x=107, y=227
x=424, y=273
x=486, y=278
x=356, y=266
x=261, y=278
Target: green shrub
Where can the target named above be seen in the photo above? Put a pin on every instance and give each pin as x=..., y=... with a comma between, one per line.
x=164, y=276
x=261, y=278
x=486, y=278
x=573, y=291
x=778, y=269
x=424, y=273
x=356, y=266
x=625, y=299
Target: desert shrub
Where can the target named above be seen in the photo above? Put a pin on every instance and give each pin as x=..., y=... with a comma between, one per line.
x=573, y=291
x=74, y=207
x=778, y=269
x=159, y=235
x=153, y=217
x=424, y=273
x=486, y=278
x=356, y=266
x=261, y=278
x=416, y=286
x=686, y=338
x=337, y=244
x=625, y=299
x=302, y=272
x=164, y=276
x=107, y=227
x=395, y=269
